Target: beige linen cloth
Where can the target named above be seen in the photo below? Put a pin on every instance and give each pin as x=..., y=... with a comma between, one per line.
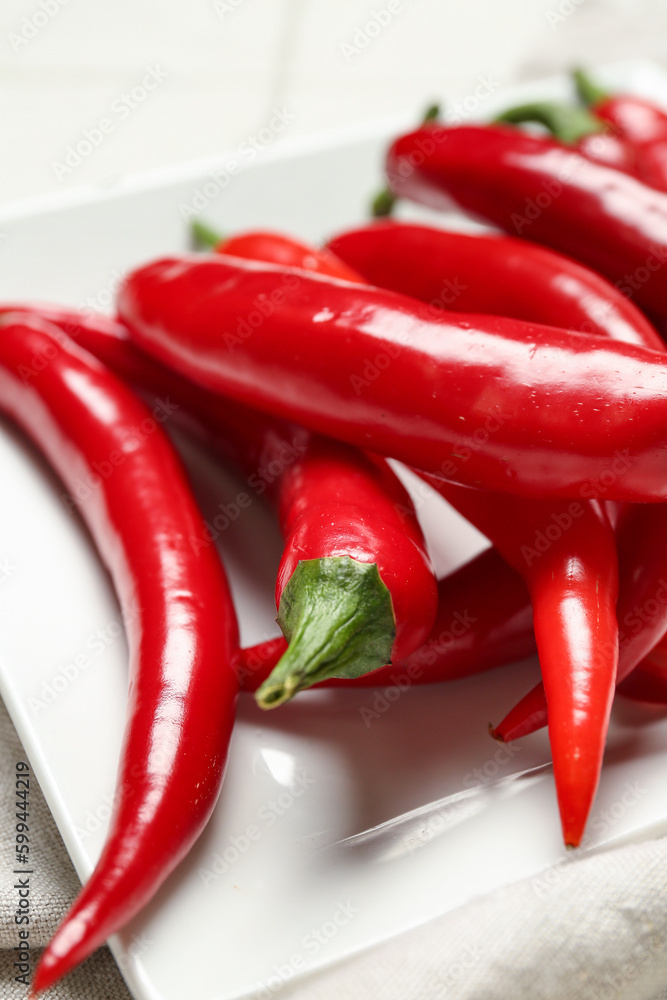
x=595, y=930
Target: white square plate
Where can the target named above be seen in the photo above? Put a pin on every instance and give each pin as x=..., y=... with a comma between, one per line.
x=335, y=829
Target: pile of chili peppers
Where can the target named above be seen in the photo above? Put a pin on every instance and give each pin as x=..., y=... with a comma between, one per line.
x=529, y=388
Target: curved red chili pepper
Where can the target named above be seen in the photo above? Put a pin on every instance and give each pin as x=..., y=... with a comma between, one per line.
x=484, y=620
x=335, y=501
x=277, y=249
x=563, y=551
x=355, y=586
x=641, y=609
x=572, y=578
x=639, y=123
x=491, y=401
x=535, y=188
x=492, y=274
x=182, y=632
x=636, y=119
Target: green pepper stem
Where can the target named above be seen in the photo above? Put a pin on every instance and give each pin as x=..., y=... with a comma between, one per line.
x=203, y=236
x=383, y=203
x=588, y=91
x=337, y=616
x=566, y=122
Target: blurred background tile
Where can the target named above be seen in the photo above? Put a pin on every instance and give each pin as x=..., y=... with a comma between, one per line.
x=225, y=65
x=213, y=69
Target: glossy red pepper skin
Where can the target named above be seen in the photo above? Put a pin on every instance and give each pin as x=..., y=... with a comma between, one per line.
x=335, y=501
x=610, y=151
x=642, y=126
x=577, y=129
x=492, y=274
x=620, y=131
x=566, y=553
x=654, y=165
x=182, y=632
x=332, y=500
x=484, y=620
x=536, y=188
x=636, y=119
x=641, y=609
x=484, y=400
x=286, y=251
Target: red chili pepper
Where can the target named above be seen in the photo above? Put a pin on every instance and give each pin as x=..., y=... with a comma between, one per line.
x=636, y=119
x=181, y=624
x=534, y=187
x=564, y=551
x=275, y=248
x=373, y=598
x=573, y=583
x=621, y=131
x=355, y=587
x=578, y=128
x=484, y=620
x=491, y=401
x=492, y=274
x=641, y=609
x=639, y=123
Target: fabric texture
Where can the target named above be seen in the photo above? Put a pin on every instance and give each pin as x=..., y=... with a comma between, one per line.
x=595, y=930
x=53, y=886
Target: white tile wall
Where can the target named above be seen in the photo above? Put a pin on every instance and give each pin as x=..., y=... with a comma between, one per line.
x=228, y=63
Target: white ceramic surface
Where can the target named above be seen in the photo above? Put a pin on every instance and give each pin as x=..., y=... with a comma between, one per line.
x=336, y=827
